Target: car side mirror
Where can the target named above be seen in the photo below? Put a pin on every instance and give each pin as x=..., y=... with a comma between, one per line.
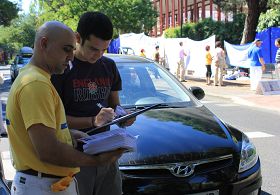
x=197, y=92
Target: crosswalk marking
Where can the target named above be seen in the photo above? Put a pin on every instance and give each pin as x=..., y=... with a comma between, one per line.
x=227, y=105
x=219, y=103
x=208, y=102
x=258, y=134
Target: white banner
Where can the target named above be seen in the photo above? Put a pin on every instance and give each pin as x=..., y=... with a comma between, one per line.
x=169, y=48
x=237, y=55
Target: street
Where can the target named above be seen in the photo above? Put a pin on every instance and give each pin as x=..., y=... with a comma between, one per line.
x=260, y=125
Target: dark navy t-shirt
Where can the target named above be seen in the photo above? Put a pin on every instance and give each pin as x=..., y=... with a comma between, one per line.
x=83, y=85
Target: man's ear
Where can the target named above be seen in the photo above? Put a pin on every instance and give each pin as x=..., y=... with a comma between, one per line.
x=44, y=42
x=78, y=38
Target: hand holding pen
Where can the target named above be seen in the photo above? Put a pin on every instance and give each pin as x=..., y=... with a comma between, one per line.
x=104, y=116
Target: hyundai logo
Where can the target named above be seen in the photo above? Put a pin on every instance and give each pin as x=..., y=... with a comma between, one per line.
x=182, y=169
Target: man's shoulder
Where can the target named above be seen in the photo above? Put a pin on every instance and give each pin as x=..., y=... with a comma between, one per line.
x=30, y=74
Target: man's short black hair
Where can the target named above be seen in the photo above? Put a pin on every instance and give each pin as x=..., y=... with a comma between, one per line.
x=95, y=23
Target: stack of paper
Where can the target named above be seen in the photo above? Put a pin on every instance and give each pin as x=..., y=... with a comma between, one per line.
x=108, y=141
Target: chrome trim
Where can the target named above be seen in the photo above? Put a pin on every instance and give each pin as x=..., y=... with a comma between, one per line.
x=189, y=166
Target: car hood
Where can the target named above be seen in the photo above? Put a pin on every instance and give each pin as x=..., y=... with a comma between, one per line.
x=178, y=134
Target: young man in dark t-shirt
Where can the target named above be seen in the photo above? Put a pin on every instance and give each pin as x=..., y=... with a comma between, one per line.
x=92, y=80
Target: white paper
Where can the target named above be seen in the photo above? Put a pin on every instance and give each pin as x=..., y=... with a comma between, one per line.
x=108, y=141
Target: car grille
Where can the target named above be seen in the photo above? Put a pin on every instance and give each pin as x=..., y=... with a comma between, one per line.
x=180, y=169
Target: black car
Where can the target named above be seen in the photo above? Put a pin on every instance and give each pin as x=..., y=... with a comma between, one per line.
x=20, y=61
x=182, y=147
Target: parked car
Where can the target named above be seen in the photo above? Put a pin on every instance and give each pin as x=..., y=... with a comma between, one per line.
x=126, y=51
x=182, y=147
x=21, y=59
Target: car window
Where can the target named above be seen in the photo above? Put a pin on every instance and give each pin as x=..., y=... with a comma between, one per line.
x=147, y=83
x=23, y=60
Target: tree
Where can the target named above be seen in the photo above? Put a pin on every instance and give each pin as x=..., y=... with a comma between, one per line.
x=8, y=11
x=226, y=6
x=255, y=8
x=20, y=33
x=272, y=16
x=126, y=15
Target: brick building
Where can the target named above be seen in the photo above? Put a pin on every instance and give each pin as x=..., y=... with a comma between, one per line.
x=174, y=13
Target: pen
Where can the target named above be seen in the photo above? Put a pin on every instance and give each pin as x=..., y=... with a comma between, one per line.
x=99, y=105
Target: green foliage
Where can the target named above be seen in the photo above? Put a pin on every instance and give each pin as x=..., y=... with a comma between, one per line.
x=230, y=5
x=269, y=19
x=20, y=33
x=126, y=15
x=8, y=11
x=274, y=4
x=229, y=31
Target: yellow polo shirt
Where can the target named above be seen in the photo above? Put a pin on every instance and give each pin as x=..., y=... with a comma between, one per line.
x=34, y=100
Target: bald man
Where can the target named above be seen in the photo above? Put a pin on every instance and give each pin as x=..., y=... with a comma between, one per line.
x=41, y=143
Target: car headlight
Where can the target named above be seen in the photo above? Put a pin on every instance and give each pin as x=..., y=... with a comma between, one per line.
x=249, y=156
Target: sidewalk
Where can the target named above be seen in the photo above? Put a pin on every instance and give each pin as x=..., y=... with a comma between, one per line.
x=239, y=91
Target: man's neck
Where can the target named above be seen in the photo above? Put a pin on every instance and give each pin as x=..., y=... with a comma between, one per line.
x=79, y=56
x=38, y=63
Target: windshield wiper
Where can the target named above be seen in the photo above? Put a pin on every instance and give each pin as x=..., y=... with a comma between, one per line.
x=160, y=105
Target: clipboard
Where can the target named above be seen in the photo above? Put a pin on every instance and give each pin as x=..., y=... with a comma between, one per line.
x=123, y=118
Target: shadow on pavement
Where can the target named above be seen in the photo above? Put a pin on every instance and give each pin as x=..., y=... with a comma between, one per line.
x=240, y=83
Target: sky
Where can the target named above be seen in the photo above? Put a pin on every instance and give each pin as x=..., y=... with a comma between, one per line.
x=25, y=5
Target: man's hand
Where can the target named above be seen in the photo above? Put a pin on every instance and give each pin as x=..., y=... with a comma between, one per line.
x=128, y=122
x=105, y=115
x=76, y=135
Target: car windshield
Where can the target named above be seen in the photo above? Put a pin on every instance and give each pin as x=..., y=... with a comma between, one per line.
x=21, y=60
x=147, y=83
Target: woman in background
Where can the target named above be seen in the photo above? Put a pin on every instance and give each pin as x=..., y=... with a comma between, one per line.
x=208, y=59
x=142, y=53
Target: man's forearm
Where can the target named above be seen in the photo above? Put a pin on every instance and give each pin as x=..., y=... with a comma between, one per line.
x=80, y=122
x=66, y=156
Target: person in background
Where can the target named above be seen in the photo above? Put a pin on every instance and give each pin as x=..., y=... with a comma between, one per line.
x=208, y=58
x=257, y=64
x=181, y=64
x=158, y=60
x=90, y=84
x=142, y=53
x=277, y=58
x=156, y=54
x=42, y=145
x=220, y=63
